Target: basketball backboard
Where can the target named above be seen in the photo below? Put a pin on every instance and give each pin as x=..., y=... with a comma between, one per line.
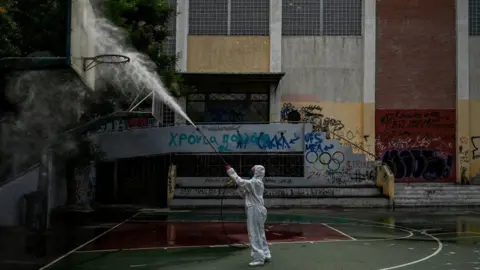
x=82, y=41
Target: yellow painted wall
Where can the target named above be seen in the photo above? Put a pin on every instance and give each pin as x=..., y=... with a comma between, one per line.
x=228, y=54
x=357, y=121
x=468, y=141
x=463, y=140
x=474, y=140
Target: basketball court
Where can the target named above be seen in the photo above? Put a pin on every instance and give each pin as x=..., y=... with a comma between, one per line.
x=299, y=240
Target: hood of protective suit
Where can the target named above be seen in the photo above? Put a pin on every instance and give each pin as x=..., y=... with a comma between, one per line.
x=258, y=172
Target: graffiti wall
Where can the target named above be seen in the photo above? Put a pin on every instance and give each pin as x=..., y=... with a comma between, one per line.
x=326, y=161
x=339, y=121
x=186, y=139
x=418, y=145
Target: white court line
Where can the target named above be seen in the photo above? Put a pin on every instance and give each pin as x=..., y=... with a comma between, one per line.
x=435, y=253
x=459, y=237
x=88, y=242
x=455, y=233
x=340, y=232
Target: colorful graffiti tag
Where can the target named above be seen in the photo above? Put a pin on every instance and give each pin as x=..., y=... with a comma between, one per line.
x=327, y=162
x=418, y=145
x=310, y=114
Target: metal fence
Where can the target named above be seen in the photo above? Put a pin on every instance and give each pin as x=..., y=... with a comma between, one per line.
x=210, y=165
x=229, y=107
x=171, y=41
x=322, y=17
x=474, y=17
x=229, y=17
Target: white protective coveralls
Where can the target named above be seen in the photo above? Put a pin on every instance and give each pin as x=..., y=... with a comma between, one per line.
x=252, y=191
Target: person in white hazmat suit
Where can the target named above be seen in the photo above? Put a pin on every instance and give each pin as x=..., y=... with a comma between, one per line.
x=252, y=191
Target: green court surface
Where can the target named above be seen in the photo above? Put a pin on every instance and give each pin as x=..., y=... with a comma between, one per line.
x=365, y=241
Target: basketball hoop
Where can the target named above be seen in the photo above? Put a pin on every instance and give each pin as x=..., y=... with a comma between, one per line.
x=91, y=62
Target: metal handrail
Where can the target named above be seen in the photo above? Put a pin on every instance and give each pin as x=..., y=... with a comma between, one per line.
x=356, y=145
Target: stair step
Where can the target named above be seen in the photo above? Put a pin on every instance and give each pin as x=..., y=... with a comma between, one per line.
x=285, y=202
x=280, y=192
x=436, y=203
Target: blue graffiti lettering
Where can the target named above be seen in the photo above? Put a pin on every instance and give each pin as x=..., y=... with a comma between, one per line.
x=314, y=143
x=177, y=139
x=267, y=142
x=292, y=141
x=225, y=142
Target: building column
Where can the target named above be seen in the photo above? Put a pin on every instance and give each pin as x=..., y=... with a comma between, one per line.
x=181, y=47
x=369, y=73
x=275, y=55
x=463, y=93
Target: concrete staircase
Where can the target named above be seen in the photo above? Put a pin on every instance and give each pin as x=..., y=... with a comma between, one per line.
x=436, y=194
x=342, y=197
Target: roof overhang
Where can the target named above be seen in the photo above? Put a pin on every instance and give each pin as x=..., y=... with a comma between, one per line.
x=254, y=77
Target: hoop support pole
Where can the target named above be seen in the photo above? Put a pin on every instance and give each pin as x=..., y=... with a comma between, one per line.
x=140, y=102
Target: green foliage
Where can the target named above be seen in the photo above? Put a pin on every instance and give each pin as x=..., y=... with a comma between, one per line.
x=9, y=34
x=32, y=26
x=147, y=23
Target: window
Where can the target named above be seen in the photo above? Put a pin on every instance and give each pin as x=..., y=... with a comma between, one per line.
x=168, y=116
x=322, y=17
x=229, y=17
x=229, y=107
x=170, y=42
x=474, y=17
x=205, y=165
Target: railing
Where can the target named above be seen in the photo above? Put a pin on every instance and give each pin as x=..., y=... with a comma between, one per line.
x=91, y=125
x=385, y=178
x=386, y=181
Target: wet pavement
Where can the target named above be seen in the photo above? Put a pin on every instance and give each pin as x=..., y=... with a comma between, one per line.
x=303, y=239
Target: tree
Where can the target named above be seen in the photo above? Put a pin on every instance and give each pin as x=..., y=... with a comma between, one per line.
x=147, y=23
x=40, y=26
x=35, y=25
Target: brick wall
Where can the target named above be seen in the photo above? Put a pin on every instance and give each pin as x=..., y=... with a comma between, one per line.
x=416, y=54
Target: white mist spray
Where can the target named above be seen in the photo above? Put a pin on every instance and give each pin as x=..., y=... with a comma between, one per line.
x=138, y=74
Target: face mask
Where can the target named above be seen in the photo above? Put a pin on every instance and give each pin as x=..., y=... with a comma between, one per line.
x=251, y=174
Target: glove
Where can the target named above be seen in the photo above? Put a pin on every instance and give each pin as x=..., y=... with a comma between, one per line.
x=230, y=171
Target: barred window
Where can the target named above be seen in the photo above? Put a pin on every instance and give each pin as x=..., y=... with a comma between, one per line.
x=322, y=17
x=229, y=17
x=229, y=107
x=474, y=17
x=208, y=17
x=250, y=17
x=170, y=41
x=205, y=165
x=168, y=116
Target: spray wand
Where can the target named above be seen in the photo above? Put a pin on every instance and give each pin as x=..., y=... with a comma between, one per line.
x=211, y=145
x=223, y=194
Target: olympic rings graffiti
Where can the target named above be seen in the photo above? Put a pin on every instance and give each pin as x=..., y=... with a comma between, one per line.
x=332, y=161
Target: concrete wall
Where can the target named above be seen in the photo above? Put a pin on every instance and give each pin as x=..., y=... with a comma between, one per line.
x=12, y=194
x=326, y=161
x=324, y=84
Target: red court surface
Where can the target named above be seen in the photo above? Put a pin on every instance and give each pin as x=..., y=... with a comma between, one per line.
x=182, y=234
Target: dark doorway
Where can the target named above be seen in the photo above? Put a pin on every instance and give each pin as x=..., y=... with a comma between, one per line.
x=137, y=181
